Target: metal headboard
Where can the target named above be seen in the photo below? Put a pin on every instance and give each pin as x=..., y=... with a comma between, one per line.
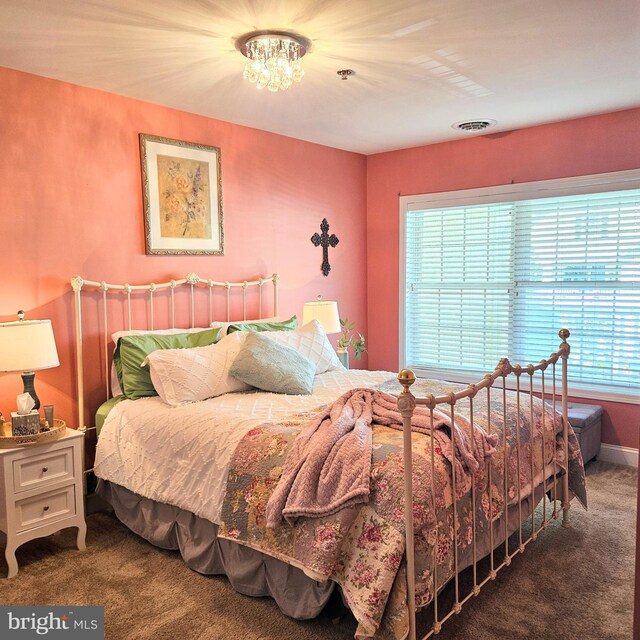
x=192, y=281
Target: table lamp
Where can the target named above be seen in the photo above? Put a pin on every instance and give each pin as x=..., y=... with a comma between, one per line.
x=27, y=345
x=325, y=312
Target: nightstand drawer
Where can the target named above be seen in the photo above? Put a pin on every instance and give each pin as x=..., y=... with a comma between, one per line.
x=45, y=508
x=43, y=469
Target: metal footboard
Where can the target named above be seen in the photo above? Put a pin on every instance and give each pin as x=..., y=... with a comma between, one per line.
x=553, y=485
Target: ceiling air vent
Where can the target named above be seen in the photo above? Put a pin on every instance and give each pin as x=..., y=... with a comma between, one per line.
x=475, y=125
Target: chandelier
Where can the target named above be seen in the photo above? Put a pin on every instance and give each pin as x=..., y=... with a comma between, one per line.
x=273, y=58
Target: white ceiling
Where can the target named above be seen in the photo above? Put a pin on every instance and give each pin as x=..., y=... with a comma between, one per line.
x=420, y=65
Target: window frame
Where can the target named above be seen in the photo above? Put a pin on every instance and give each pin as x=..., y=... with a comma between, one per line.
x=596, y=183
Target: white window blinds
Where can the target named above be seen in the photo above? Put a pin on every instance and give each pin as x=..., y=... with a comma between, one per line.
x=487, y=280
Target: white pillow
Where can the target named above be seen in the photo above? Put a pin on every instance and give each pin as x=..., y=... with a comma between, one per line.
x=311, y=341
x=198, y=373
x=116, y=390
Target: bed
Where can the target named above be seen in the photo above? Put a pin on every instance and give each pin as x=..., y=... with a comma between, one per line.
x=201, y=477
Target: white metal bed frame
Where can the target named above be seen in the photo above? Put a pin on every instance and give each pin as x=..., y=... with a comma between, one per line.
x=192, y=280
x=407, y=402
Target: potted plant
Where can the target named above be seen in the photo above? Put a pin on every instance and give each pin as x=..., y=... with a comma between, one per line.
x=348, y=339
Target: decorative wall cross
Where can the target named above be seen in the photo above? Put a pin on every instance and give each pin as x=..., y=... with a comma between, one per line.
x=326, y=241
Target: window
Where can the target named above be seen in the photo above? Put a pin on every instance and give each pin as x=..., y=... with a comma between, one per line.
x=494, y=272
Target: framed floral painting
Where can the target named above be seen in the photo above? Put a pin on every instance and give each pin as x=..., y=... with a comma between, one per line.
x=182, y=189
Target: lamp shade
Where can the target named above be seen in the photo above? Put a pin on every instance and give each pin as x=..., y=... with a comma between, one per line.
x=27, y=345
x=325, y=312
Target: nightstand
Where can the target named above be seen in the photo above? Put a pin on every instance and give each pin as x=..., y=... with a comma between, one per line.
x=41, y=492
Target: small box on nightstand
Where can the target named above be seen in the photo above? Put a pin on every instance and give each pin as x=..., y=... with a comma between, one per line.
x=25, y=424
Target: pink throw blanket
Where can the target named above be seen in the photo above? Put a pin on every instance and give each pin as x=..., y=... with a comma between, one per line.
x=329, y=465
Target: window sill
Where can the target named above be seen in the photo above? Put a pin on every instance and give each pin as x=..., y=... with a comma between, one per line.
x=576, y=390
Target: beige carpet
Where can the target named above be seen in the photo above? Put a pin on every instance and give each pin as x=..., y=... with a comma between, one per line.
x=570, y=584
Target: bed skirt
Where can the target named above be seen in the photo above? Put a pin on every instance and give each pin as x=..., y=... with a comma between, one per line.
x=250, y=572
x=253, y=573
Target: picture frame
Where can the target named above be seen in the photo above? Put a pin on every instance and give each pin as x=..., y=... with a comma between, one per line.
x=182, y=197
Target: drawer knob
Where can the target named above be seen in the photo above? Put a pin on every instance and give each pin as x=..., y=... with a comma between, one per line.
x=45, y=469
x=46, y=507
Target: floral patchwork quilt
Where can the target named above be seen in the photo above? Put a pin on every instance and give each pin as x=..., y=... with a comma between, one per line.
x=361, y=548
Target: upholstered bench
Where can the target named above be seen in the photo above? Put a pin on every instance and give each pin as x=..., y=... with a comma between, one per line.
x=586, y=420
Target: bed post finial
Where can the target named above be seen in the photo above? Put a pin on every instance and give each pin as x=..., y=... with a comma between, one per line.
x=77, y=283
x=406, y=378
x=565, y=348
x=406, y=400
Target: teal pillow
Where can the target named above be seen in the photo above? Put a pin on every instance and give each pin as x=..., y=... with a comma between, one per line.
x=258, y=325
x=270, y=366
x=135, y=380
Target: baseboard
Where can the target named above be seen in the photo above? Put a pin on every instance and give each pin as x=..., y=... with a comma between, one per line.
x=618, y=455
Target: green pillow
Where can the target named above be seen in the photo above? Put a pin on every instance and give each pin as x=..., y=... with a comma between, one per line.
x=135, y=380
x=258, y=325
x=271, y=366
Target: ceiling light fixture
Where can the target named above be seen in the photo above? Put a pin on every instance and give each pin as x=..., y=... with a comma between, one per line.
x=273, y=58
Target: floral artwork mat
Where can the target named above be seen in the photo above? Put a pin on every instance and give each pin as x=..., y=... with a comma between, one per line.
x=182, y=189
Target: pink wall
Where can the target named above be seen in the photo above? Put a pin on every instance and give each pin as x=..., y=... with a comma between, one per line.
x=72, y=204
x=585, y=146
